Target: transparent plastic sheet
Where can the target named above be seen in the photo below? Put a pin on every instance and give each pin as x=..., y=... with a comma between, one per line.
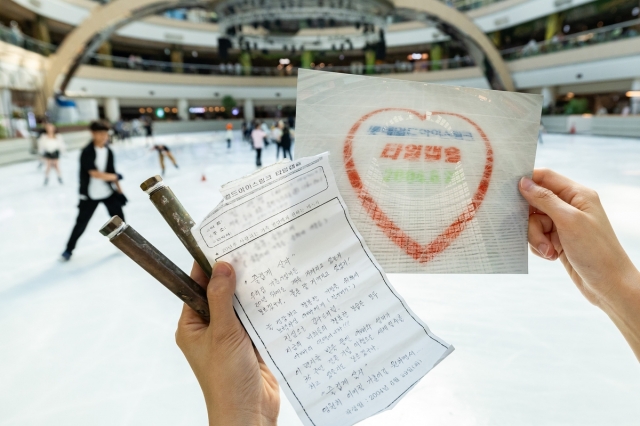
x=428, y=172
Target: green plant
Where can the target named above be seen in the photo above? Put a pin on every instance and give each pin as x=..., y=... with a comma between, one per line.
x=3, y=132
x=576, y=106
x=228, y=102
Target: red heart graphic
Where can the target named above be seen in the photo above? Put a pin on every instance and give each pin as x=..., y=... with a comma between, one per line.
x=422, y=254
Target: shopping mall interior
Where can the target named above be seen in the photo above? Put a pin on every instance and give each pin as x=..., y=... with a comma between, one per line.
x=179, y=85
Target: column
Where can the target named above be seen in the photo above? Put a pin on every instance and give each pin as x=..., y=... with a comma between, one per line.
x=41, y=32
x=245, y=61
x=5, y=113
x=548, y=98
x=112, y=109
x=553, y=26
x=635, y=101
x=249, y=110
x=105, y=49
x=183, y=109
x=177, y=59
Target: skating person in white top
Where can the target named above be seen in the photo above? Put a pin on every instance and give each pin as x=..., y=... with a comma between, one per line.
x=99, y=183
x=50, y=146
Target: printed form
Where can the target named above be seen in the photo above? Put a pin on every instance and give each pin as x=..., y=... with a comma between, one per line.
x=316, y=304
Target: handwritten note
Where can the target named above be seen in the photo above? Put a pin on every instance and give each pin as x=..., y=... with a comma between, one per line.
x=319, y=308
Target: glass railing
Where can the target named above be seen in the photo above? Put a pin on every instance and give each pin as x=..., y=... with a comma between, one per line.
x=464, y=5
x=136, y=64
x=619, y=31
x=606, y=34
x=16, y=37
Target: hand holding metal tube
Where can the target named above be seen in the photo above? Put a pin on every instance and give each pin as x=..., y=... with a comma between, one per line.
x=176, y=216
x=136, y=247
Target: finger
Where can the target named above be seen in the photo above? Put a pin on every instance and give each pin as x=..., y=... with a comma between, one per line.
x=563, y=187
x=198, y=275
x=539, y=227
x=190, y=318
x=544, y=200
x=220, y=295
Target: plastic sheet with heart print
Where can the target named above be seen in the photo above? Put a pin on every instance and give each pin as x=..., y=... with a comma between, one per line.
x=429, y=172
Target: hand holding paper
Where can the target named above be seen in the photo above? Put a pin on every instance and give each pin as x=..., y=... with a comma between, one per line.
x=317, y=306
x=238, y=387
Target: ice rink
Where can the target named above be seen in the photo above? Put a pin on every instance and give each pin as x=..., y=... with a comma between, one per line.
x=91, y=342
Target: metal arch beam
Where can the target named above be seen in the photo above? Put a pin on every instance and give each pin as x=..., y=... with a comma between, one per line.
x=104, y=20
x=101, y=23
x=457, y=25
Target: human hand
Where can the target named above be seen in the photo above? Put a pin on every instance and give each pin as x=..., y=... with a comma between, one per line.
x=238, y=387
x=567, y=221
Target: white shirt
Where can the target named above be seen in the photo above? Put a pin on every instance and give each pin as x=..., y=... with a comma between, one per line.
x=276, y=134
x=99, y=189
x=50, y=145
x=229, y=134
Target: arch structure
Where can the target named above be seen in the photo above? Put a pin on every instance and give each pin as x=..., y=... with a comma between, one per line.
x=106, y=19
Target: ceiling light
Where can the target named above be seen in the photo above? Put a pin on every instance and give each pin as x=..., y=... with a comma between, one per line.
x=633, y=94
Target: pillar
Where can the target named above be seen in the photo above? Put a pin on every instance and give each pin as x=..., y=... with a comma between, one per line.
x=635, y=101
x=41, y=32
x=245, y=61
x=105, y=49
x=5, y=113
x=553, y=26
x=496, y=38
x=548, y=98
x=306, y=58
x=112, y=109
x=436, y=57
x=183, y=109
x=177, y=60
x=249, y=110
x=369, y=61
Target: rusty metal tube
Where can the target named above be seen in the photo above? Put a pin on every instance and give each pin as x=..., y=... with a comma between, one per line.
x=138, y=249
x=176, y=216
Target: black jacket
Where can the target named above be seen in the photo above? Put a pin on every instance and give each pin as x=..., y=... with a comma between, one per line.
x=88, y=163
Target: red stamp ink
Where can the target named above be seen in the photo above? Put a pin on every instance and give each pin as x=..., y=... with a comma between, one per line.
x=421, y=253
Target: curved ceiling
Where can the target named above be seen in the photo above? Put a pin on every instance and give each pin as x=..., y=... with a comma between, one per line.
x=496, y=16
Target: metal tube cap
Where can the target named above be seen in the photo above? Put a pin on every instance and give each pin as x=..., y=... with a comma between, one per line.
x=113, y=227
x=150, y=183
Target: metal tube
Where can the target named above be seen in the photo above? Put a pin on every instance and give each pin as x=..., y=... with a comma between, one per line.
x=176, y=216
x=138, y=249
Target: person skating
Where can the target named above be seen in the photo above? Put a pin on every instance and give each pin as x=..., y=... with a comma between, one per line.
x=285, y=142
x=99, y=183
x=50, y=145
x=163, y=151
x=229, y=135
x=258, y=137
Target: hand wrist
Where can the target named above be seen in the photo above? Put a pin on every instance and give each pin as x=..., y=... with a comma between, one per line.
x=239, y=418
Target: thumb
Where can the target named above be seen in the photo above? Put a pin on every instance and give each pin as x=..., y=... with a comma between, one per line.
x=544, y=200
x=220, y=291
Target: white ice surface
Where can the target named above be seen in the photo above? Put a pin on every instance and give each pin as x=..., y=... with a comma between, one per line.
x=91, y=342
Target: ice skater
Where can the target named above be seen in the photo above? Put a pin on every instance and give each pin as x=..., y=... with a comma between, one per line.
x=99, y=183
x=164, y=151
x=50, y=146
x=229, y=135
x=258, y=136
x=285, y=142
x=148, y=129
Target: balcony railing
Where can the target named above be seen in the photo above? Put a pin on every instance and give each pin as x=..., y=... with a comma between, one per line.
x=606, y=34
x=16, y=37
x=236, y=69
